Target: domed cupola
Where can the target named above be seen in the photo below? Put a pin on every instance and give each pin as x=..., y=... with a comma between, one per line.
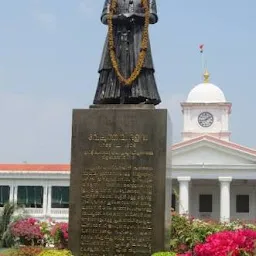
x=206, y=92
x=206, y=111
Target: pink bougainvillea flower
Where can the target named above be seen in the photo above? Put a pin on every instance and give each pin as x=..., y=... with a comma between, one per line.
x=228, y=243
x=28, y=229
x=60, y=227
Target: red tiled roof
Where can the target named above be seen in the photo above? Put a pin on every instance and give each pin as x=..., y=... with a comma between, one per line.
x=224, y=143
x=35, y=167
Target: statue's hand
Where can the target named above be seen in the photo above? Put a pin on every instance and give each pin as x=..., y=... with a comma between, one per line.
x=127, y=15
x=122, y=16
x=131, y=17
x=137, y=17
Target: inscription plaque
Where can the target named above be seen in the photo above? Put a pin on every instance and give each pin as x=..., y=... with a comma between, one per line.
x=118, y=174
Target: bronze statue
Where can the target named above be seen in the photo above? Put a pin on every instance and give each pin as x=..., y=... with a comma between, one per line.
x=127, y=72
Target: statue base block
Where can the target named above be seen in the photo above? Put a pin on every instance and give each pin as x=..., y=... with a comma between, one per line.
x=119, y=194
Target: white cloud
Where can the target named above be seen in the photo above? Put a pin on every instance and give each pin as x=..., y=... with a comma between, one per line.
x=46, y=20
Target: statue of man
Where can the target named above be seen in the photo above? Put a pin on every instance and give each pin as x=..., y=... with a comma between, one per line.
x=128, y=26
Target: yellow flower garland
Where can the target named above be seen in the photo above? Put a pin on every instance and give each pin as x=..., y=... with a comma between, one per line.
x=144, y=43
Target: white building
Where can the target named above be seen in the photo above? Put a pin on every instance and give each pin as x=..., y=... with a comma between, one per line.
x=42, y=189
x=213, y=177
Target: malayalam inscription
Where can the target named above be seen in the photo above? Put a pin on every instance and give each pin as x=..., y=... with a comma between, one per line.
x=116, y=195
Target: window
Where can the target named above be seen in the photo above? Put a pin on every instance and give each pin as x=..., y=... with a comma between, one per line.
x=30, y=196
x=205, y=203
x=174, y=202
x=4, y=195
x=60, y=197
x=242, y=203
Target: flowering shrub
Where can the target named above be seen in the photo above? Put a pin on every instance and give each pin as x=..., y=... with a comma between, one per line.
x=233, y=243
x=186, y=232
x=195, y=237
x=27, y=231
x=59, y=233
x=46, y=227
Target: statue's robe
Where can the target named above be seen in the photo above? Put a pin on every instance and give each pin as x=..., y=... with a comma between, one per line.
x=127, y=39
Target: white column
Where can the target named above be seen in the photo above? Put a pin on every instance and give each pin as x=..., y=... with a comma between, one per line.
x=184, y=194
x=225, y=198
x=49, y=200
x=253, y=200
x=45, y=200
x=15, y=193
x=11, y=196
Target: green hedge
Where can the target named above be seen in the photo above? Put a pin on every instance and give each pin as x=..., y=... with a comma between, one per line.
x=55, y=253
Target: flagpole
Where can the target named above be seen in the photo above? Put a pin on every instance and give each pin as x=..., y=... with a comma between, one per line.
x=203, y=62
x=206, y=75
x=202, y=58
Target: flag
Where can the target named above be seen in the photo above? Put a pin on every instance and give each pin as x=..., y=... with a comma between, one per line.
x=201, y=47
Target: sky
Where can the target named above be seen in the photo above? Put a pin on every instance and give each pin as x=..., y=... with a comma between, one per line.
x=50, y=51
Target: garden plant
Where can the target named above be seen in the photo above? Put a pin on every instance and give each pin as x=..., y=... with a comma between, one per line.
x=189, y=237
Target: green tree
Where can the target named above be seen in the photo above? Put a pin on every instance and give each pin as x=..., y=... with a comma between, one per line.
x=6, y=216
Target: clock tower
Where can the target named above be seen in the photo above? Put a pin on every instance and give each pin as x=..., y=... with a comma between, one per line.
x=206, y=111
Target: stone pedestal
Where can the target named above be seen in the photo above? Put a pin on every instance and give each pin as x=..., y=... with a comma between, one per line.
x=118, y=200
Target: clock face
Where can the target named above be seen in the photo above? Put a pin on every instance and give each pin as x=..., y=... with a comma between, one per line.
x=205, y=119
